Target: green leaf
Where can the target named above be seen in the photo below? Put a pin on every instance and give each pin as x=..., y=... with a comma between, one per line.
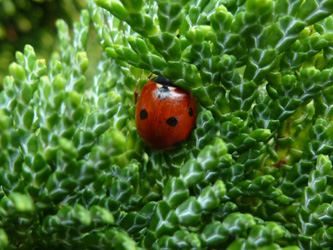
x=208, y=198
x=312, y=11
x=262, y=9
x=189, y=212
x=21, y=202
x=133, y=223
x=114, y=142
x=215, y=234
x=99, y=215
x=242, y=96
x=164, y=220
x=170, y=16
x=3, y=239
x=175, y=192
x=132, y=6
x=260, y=62
x=192, y=173
x=115, y=7
x=168, y=45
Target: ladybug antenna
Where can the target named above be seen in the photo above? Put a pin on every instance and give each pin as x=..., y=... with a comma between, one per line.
x=163, y=80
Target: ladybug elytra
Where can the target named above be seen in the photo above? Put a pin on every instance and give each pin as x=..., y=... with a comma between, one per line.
x=165, y=114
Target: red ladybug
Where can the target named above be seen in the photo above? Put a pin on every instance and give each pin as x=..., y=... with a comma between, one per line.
x=165, y=114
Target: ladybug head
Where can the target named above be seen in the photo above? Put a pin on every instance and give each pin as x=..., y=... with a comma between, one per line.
x=163, y=80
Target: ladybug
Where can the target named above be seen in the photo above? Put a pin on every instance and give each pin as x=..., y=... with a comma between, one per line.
x=165, y=114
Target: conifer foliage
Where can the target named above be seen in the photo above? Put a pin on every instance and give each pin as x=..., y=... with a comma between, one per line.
x=256, y=172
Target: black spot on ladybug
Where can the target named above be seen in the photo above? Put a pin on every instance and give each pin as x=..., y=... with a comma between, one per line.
x=143, y=114
x=172, y=121
x=178, y=143
x=163, y=92
x=190, y=112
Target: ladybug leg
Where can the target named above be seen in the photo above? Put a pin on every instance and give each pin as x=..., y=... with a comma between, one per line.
x=136, y=94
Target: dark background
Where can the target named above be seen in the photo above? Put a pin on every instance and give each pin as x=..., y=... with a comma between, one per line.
x=32, y=22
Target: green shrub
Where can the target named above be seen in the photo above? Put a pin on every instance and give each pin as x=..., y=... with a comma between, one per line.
x=256, y=172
